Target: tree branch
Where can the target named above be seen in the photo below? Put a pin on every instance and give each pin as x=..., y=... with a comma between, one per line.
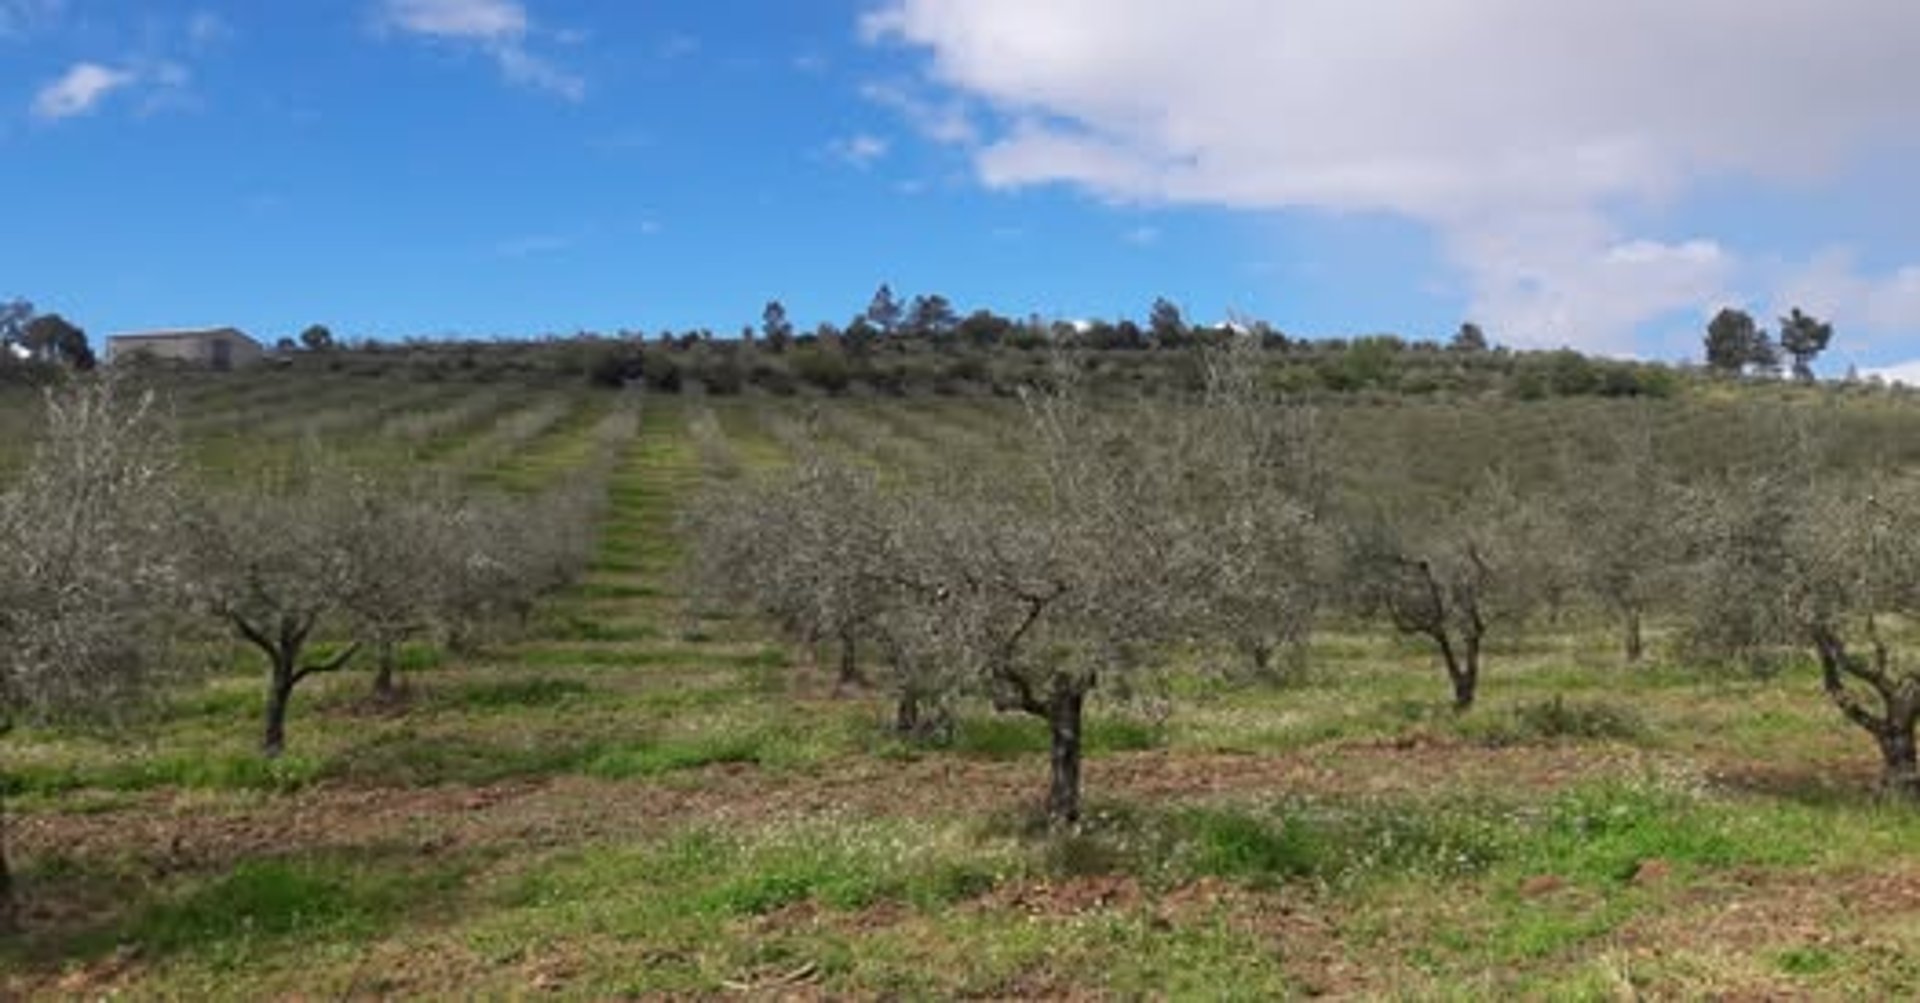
x=1835, y=665
x=253, y=634
x=334, y=664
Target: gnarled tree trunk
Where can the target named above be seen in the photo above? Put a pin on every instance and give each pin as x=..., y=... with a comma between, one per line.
x=1901, y=778
x=849, y=676
x=9, y=908
x=283, y=646
x=386, y=689
x=279, y=695
x=1893, y=726
x=1065, y=710
x=906, y=715
x=1634, y=641
x=1462, y=661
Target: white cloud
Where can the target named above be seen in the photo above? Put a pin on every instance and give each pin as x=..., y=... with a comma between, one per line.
x=1516, y=129
x=861, y=150
x=80, y=90
x=946, y=122
x=1142, y=236
x=1904, y=372
x=1548, y=280
x=522, y=67
x=471, y=20
x=1861, y=307
x=499, y=28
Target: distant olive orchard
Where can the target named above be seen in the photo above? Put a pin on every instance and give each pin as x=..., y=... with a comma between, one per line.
x=1120, y=539
x=111, y=560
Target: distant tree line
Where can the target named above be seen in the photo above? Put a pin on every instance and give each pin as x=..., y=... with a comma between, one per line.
x=924, y=345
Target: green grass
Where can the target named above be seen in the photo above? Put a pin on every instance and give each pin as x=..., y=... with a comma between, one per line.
x=263, y=906
x=195, y=771
x=517, y=694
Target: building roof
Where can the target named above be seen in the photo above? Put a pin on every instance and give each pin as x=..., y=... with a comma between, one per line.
x=182, y=335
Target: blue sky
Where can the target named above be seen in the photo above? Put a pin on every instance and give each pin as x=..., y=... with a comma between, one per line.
x=421, y=167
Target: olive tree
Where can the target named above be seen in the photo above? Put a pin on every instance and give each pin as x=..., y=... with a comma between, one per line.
x=1068, y=567
x=317, y=548
x=1830, y=564
x=494, y=557
x=1857, y=562
x=273, y=562
x=1453, y=572
x=1625, y=507
x=408, y=545
x=1074, y=577
x=805, y=548
x=87, y=566
x=1253, y=509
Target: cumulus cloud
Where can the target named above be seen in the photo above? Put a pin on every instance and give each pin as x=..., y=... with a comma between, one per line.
x=1905, y=372
x=499, y=28
x=80, y=90
x=478, y=20
x=1548, y=279
x=1874, y=307
x=946, y=122
x=861, y=150
x=1518, y=130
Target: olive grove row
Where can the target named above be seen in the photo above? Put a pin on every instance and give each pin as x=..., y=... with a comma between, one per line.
x=116, y=568
x=1118, y=539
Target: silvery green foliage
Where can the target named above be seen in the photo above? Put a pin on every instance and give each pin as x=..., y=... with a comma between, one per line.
x=1113, y=532
x=1253, y=506
x=806, y=548
x=1829, y=564
x=1456, y=570
x=272, y=556
x=87, y=556
x=1623, y=510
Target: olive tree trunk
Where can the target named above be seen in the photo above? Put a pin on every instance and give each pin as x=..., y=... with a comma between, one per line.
x=279, y=694
x=1065, y=711
x=283, y=645
x=1634, y=640
x=1893, y=724
x=9, y=908
x=386, y=688
x=849, y=676
x=1901, y=779
x=906, y=715
x=1461, y=659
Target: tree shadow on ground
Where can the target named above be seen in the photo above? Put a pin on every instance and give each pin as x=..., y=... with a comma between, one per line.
x=82, y=915
x=1834, y=785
